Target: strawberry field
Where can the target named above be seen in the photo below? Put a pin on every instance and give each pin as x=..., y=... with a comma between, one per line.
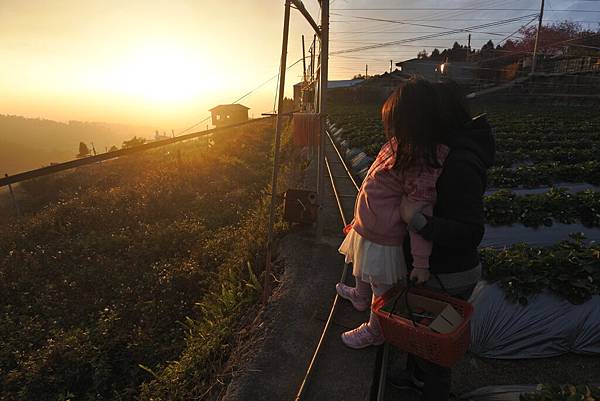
x=542, y=153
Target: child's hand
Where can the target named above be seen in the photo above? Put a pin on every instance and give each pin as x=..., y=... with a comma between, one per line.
x=419, y=276
x=408, y=208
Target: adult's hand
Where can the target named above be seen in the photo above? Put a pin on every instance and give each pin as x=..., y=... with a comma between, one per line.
x=409, y=208
x=419, y=276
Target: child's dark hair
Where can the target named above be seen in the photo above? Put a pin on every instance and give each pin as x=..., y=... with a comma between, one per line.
x=412, y=115
x=453, y=106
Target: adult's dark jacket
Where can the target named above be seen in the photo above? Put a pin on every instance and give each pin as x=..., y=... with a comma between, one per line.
x=457, y=225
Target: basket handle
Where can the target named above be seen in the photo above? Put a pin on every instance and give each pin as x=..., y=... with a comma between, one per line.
x=405, y=294
x=442, y=286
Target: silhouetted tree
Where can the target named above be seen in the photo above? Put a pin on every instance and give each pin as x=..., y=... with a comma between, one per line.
x=84, y=151
x=422, y=54
x=113, y=148
x=133, y=142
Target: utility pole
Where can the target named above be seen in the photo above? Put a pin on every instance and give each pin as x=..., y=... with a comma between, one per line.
x=312, y=58
x=366, y=70
x=323, y=75
x=537, y=38
x=391, y=65
x=469, y=47
x=278, y=129
x=303, y=61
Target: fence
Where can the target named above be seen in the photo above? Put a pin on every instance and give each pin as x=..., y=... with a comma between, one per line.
x=55, y=168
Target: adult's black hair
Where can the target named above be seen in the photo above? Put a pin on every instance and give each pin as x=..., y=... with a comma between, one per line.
x=455, y=113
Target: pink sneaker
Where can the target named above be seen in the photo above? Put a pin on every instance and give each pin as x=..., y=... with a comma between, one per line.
x=361, y=337
x=349, y=293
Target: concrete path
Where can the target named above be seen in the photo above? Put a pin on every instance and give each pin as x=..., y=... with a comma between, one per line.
x=295, y=317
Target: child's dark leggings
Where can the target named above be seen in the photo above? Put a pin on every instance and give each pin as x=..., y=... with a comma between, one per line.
x=437, y=379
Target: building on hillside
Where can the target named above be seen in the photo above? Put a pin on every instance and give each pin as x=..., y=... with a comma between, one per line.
x=228, y=114
x=304, y=96
x=344, y=83
x=424, y=68
x=459, y=71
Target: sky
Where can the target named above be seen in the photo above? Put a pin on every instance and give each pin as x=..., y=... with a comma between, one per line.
x=165, y=63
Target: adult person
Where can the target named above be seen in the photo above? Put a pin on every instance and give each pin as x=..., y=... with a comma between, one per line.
x=457, y=225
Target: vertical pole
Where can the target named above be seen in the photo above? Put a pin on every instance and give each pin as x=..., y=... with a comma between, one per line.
x=469, y=48
x=278, y=128
x=537, y=38
x=303, y=60
x=323, y=73
x=312, y=60
x=391, y=65
x=366, y=70
x=12, y=196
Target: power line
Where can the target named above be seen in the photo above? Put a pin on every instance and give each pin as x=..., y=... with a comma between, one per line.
x=452, y=31
x=244, y=96
x=460, y=9
x=469, y=29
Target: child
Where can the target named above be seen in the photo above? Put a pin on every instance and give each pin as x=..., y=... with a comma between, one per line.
x=405, y=170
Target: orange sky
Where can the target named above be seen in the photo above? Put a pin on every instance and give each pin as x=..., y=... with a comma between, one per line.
x=156, y=63
x=165, y=63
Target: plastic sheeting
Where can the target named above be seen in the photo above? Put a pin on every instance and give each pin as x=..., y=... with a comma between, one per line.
x=499, y=393
x=546, y=326
x=501, y=236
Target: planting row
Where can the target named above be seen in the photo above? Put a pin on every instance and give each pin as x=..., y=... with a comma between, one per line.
x=544, y=174
x=512, y=144
x=569, y=269
x=504, y=207
x=559, y=154
x=563, y=393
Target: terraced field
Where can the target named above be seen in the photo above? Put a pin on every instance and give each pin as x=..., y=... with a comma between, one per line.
x=545, y=178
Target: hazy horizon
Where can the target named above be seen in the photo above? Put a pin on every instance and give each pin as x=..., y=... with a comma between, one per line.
x=164, y=64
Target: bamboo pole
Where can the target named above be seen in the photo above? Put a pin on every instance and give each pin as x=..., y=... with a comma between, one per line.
x=323, y=74
x=278, y=128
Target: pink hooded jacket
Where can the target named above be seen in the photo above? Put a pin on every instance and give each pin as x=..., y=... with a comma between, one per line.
x=377, y=210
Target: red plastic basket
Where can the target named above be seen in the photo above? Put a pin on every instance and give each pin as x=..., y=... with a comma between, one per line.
x=444, y=349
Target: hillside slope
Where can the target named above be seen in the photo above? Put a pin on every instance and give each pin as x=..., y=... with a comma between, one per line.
x=118, y=268
x=28, y=143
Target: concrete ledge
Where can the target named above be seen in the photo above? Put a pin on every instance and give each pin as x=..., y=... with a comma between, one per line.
x=293, y=322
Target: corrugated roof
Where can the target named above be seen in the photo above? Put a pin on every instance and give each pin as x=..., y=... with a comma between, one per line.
x=344, y=83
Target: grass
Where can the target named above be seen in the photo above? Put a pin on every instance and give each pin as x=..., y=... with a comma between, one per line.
x=127, y=279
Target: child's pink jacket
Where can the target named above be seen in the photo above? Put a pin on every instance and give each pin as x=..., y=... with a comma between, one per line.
x=377, y=211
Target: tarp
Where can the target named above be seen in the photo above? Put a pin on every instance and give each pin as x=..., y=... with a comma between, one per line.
x=547, y=326
x=499, y=393
x=501, y=236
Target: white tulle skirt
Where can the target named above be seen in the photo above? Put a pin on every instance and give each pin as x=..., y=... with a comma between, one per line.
x=371, y=262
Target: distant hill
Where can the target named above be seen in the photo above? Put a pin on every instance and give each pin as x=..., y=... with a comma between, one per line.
x=27, y=143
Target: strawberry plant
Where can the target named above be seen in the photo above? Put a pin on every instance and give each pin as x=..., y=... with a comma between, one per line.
x=570, y=269
x=504, y=207
x=563, y=393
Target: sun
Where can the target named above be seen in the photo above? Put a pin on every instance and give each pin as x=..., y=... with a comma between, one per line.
x=162, y=73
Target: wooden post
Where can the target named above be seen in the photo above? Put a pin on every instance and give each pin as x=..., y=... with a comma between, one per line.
x=323, y=74
x=14, y=200
x=278, y=128
x=537, y=38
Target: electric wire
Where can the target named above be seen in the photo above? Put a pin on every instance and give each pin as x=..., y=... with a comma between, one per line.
x=243, y=96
